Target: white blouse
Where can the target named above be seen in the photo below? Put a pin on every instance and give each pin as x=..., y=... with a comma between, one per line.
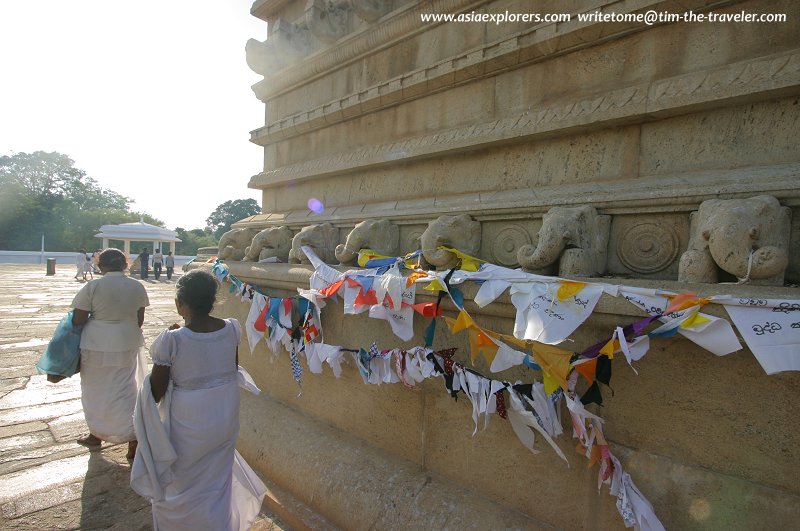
x=113, y=302
x=198, y=360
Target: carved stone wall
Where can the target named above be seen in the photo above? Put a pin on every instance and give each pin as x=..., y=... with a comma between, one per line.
x=379, y=116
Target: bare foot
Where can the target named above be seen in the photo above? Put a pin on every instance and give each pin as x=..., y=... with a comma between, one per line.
x=131, y=450
x=90, y=441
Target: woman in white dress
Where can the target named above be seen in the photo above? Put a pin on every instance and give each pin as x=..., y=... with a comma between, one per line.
x=112, y=359
x=201, y=361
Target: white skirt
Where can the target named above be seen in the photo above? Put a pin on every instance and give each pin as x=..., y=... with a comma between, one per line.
x=109, y=384
x=213, y=488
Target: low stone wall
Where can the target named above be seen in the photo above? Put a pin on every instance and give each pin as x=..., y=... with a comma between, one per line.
x=710, y=441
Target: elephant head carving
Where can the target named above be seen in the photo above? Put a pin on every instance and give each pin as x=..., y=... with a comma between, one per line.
x=270, y=242
x=322, y=238
x=457, y=232
x=380, y=235
x=575, y=237
x=746, y=238
x=232, y=244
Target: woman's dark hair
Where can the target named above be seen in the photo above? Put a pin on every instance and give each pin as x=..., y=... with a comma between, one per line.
x=198, y=290
x=113, y=260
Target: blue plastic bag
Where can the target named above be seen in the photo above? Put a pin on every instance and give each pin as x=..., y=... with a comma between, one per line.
x=64, y=351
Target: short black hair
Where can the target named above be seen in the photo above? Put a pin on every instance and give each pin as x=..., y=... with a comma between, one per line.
x=113, y=260
x=197, y=289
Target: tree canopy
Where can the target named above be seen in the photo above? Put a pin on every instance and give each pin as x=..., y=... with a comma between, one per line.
x=228, y=213
x=44, y=194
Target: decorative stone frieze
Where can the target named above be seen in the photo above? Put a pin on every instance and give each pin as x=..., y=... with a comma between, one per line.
x=371, y=10
x=745, y=238
x=322, y=238
x=380, y=235
x=575, y=237
x=272, y=242
x=327, y=19
x=671, y=96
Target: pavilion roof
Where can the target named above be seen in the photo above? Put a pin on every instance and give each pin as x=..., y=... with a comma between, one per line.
x=138, y=231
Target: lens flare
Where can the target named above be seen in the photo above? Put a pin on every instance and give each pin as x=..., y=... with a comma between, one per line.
x=316, y=206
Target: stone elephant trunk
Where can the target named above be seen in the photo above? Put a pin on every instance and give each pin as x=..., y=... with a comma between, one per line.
x=380, y=235
x=574, y=237
x=547, y=251
x=765, y=262
x=457, y=232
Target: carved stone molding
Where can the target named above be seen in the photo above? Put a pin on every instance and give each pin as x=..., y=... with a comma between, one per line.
x=371, y=10
x=265, y=9
x=404, y=24
x=327, y=19
x=766, y=76
x=532, y=44
x=648, y=247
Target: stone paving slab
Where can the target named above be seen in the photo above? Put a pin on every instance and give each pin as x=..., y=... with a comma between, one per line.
x=47, y=481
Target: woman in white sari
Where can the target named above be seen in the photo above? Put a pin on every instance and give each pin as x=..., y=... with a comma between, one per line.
x=112, y=360
x=201, y=361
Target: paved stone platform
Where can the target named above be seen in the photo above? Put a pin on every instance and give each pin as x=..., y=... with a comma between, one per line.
x=47, y=480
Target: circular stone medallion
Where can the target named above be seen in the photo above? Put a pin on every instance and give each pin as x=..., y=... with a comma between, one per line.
x=648, y=247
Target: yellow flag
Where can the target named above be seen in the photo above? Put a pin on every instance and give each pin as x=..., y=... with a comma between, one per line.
x=468, y=263
x=365, y=255
x=435, y=285
x=555, y=361
x=462, y=322
x=610, y=348
x=569, y=289
x=550, y=383
x=695, y=320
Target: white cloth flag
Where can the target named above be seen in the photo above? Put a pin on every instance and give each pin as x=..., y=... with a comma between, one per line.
x=542, y=317
x=400, y=319
x=256, y=307
x=771, y=332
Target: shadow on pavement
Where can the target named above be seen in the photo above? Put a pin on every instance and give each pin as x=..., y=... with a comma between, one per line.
x=107, y=501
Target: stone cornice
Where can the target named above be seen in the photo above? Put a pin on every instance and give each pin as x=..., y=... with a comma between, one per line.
x=531, y=44
x=757, y=79
x=264, y=9
x=400, y=25
x=662, y=193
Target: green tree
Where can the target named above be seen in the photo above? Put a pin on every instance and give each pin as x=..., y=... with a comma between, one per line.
x=230, y=212
x=191, y=240
x=44, y=194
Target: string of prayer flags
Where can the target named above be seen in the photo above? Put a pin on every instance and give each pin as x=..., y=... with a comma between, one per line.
x=711, y=333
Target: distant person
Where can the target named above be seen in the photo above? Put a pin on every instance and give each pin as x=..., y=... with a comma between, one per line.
x=95, y=260
x=144, y=263
x=112, y=359
x=88, y=268
x=169, y=262
x=158, y=260
x=80, y=260
x=201, y=360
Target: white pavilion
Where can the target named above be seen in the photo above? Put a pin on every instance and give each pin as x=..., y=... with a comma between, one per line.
x=138, y=231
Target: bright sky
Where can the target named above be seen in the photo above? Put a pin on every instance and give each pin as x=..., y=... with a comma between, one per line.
x=151, y=98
